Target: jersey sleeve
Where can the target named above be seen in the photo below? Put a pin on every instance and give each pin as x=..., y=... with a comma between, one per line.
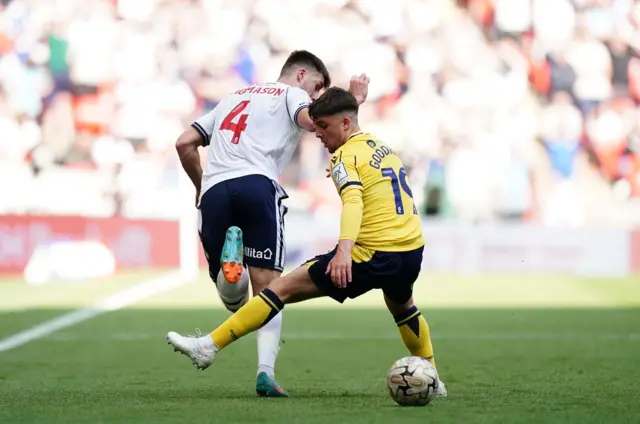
x=296, y=99
x=344, y=171
x=204, y=125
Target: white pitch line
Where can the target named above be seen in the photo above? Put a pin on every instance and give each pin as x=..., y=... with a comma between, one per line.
x=133, y=337
x=119, y=300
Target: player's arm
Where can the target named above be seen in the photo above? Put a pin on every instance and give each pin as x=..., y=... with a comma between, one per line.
x=351, y=216
x=350, y=219
x=187, y=148
x=304, y=121
x=297, y=102
x=358, y=87
x=347, y=180
x=198, y=134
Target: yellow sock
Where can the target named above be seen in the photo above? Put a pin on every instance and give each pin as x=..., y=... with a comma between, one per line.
x=415, y=334
x=256, y=313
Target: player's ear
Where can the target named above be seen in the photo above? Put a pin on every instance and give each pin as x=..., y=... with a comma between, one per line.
x=301, y=74
x=346, y=122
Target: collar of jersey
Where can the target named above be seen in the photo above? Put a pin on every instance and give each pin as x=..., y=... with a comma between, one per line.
x=355, y=134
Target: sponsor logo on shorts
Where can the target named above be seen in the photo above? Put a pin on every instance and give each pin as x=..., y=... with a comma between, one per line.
x=258, y=254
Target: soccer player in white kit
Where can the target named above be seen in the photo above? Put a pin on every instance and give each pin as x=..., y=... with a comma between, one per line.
x=251, y=135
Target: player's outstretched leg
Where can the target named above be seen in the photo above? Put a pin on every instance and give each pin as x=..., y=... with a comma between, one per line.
x=231, y=269
x=294, y=287
x=415, y=333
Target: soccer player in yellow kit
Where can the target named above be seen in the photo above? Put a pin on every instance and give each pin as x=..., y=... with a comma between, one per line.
x=380, y=245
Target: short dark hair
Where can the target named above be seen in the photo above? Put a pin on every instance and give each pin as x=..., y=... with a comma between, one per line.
x=305, y=58
x=333, y=101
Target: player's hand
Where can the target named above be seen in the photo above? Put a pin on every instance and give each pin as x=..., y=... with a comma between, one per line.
x=197, y=197
x=359, y=87
x=340, y=269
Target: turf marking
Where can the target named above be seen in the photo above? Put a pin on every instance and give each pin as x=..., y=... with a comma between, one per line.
x=132, y=337
x=144, y=290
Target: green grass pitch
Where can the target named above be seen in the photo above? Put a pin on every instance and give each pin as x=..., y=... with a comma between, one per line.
x=511, y=350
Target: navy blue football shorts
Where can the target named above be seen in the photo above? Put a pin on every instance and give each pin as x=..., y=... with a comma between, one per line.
x=255, y=204
x=392, y=272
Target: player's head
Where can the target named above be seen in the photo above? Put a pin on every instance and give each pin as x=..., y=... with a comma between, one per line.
x=335, y=114
x=305, y=70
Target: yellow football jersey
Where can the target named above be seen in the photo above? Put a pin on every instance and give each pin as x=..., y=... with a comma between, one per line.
x=390, y=220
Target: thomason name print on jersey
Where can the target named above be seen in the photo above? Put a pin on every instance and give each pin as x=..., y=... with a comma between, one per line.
x=273, y=91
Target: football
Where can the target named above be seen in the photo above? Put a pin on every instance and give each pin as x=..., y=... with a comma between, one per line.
x=233, y=295
x=412, y=381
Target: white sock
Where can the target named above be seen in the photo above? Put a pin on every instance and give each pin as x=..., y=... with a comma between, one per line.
x=269, y=345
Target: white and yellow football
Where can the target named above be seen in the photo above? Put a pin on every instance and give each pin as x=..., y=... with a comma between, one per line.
x=412, y=381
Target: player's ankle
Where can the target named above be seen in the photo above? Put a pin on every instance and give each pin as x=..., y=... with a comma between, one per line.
x=267, y=369
x=207, y=342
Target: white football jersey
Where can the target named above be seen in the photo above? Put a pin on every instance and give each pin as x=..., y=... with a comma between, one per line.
x=252, y=131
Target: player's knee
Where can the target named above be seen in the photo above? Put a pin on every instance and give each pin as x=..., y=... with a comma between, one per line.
x=259, y=285
x=296, y=286
x=288, y=288
x=280, y=289
x=397, y=308
x=261, y=278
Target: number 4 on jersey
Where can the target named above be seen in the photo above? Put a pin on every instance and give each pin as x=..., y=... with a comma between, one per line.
x=240, y=126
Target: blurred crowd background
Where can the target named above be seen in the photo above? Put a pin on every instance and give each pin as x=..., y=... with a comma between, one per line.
x=501, y=109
